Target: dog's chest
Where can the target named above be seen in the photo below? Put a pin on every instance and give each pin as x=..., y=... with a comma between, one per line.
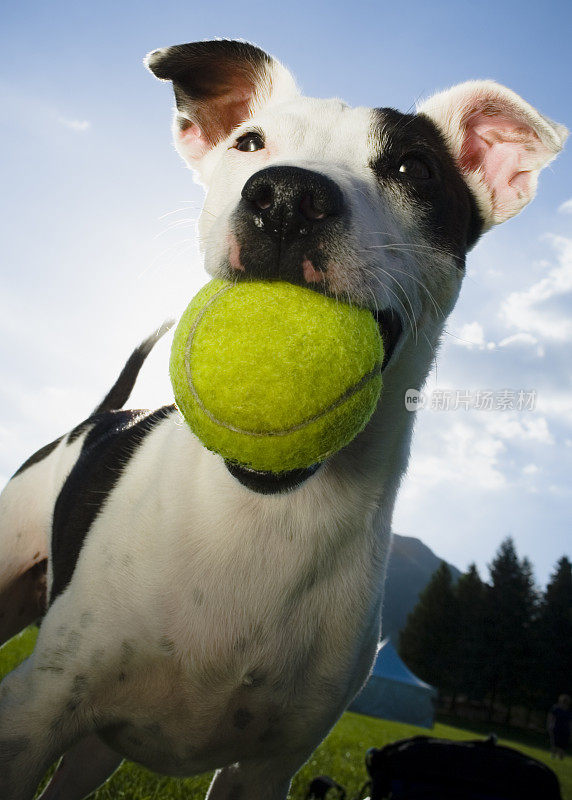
x=251, y=654
x=260, y=618
x=239, y=696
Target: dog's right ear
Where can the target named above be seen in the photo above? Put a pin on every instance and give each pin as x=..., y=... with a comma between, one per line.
x=218, y=85
x=499, y=141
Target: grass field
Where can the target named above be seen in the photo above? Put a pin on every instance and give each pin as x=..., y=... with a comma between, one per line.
x=340, y=755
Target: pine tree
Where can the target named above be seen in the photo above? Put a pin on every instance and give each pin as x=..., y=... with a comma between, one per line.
x=427, y=642
x=510, y=611
x=471, y=645
x=555, y=635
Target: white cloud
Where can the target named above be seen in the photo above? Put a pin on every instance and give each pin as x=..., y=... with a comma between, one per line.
x=473, y=332
x=470, y=335
x=559, y=491
x=555, y=404
x=529, y=310
x=518, y=338
x=532, y=428
x=79, y=125
x=491, y=469
x=464, y=454
x=566, y=207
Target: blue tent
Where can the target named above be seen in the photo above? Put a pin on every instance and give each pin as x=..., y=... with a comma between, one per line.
x=394, y=692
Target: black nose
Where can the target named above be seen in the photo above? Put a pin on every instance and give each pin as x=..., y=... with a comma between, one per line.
x=291, y=202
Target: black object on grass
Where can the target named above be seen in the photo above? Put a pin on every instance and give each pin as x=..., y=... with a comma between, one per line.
x=423, y=768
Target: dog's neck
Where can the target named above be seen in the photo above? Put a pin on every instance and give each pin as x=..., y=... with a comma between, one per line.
x=379, y=454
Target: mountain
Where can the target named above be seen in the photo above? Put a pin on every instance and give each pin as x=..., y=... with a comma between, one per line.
x=411, y=565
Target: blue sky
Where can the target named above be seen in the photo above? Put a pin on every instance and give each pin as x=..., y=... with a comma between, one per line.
x=98, y=244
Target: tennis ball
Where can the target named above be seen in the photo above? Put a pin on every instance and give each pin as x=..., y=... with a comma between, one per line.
x=274, y=376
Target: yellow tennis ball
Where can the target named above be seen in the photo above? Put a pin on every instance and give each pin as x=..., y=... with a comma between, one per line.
x=274, y=376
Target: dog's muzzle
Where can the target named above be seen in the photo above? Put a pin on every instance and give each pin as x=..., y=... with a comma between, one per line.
x=285, y=222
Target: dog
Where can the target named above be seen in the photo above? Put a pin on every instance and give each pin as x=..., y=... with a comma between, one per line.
x=196, y=614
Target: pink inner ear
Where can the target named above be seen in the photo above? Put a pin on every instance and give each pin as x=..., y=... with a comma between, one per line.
x=508, y=154
x=193, y=141
x=215, y=121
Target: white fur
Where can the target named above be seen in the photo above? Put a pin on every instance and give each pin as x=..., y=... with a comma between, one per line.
x=275, y=88
x=26, y=506
x=205, y=625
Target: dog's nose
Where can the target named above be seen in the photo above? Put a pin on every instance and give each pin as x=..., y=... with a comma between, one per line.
x=291, y=202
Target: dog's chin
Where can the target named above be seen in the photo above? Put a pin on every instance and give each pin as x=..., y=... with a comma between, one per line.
x=270, y=482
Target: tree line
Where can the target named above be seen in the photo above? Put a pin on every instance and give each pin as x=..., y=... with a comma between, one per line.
x=501, y=641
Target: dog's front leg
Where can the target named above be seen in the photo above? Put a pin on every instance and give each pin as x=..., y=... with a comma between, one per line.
x=82, y=770
x=267, y=779
x=40, y=718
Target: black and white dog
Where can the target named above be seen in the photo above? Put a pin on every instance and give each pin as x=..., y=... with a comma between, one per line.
x=198, y=615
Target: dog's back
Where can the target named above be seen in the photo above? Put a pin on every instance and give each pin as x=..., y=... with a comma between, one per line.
x=28, y=500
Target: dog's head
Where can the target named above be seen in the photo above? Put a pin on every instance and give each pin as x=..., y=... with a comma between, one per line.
x=372, y=205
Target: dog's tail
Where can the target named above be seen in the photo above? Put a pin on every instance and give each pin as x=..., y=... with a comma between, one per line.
x=123, y=386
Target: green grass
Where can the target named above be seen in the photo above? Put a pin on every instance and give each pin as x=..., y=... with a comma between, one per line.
x=17, y=650
x=341, y=754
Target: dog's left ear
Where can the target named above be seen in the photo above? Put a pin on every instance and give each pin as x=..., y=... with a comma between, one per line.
x=218, y=85
x=499, y=141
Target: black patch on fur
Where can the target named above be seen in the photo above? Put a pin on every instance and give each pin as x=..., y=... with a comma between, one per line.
x=79, y=430
x=200, y=64
x=198, y=597
x=242, y=718
x=270, y=482
x=85, y=619
x=108, y=448
x=213, y=82
x=167, y=645
x=123, y=386
x=451, y=217
x=253, y=680
x=114, y=399
x=236, y=792
x=72, y=643
x=10, y=748
x=23, y=600
x=127, y=652
x=154, y=729
x=57, y=656
x=79, y=687
x=272, y=731
x=38, y=456
x=49, y=667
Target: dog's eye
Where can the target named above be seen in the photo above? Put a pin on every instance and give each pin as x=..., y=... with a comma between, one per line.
x=249, y=142
x=414, y=167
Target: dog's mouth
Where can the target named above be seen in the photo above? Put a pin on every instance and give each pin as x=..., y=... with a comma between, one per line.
x=391, y=329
